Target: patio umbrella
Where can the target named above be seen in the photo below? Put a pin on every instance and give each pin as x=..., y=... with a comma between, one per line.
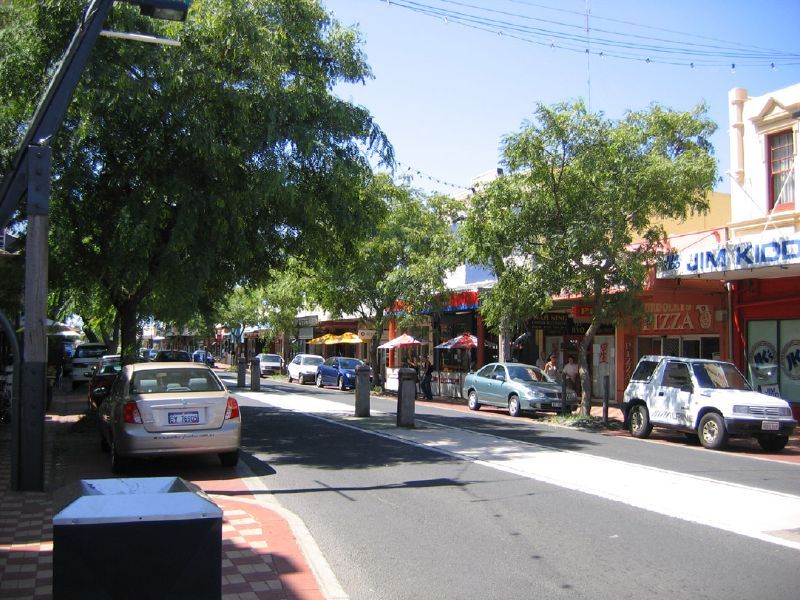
x=345, y=338
x=403, y=340
x=465, y=340
x=323, y=339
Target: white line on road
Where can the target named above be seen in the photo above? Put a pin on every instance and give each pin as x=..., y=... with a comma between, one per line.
x=762, y=514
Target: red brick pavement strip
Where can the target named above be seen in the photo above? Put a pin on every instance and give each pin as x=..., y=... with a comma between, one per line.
x=261, y=558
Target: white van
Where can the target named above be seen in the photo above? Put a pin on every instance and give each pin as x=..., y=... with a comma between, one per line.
x=709, y=399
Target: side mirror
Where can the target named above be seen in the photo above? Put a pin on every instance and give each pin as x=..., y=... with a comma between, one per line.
x=99, y=394
x=500, y=377
x=687, y=387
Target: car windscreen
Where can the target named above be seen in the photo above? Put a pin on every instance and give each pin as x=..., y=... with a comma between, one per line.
x=719, y=376
x=96, y=352
x=313, y=360
x=161, y=381
x=173, y=356
x=526, y=374
x=349, y=363
x=274, y=358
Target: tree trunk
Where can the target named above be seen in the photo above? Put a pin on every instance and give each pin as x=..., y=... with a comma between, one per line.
x=583, y=368
x=128, y=325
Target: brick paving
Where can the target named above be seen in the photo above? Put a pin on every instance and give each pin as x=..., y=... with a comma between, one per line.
x=261, y=558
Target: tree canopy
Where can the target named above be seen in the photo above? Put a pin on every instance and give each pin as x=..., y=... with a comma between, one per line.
x=401, y=255
x=575, y=213
x=179, y=172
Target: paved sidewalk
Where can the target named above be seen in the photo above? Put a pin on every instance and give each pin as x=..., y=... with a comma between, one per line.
x=261, y=555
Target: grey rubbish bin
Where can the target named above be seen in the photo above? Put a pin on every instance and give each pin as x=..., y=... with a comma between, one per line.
x=151, y=537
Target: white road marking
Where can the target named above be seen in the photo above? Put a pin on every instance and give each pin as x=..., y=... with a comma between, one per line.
x=762, y=514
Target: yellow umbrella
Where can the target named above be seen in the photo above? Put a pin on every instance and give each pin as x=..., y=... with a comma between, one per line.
x=345, y=338
x=323, y=339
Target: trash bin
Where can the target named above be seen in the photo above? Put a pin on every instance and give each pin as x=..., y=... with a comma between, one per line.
x=151, y=537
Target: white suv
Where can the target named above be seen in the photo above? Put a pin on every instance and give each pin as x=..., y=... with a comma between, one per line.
x=709, y=399
x=304, y=367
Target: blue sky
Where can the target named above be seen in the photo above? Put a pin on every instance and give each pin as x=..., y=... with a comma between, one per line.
x=446, y=93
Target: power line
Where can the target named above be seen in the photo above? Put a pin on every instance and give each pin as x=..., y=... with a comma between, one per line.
x=609, y=43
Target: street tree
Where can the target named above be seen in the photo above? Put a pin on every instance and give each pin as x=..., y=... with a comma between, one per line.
x=181, y=172
x=400, y=258
x=576, y=214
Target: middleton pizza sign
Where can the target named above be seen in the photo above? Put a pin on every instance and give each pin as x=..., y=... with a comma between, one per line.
x=732, y=256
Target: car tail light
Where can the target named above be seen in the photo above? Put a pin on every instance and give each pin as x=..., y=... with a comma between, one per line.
x=232, y=411
x=130, y=414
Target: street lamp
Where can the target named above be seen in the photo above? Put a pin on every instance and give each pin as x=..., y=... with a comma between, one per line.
x=29, y=177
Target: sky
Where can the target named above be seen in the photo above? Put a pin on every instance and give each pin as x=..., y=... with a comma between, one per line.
x=452, y=77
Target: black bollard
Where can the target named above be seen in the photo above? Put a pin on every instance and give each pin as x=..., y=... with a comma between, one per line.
x=255, y=375
x=363, y=388
x=406, y=397
x=241, y=368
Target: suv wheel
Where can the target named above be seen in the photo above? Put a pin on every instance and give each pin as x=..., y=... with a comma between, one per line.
x=513, y=406
x=639, y=421
x=774, y=443
x=712, y=432
x=473, y=401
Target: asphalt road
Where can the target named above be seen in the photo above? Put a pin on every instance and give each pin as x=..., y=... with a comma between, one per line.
x=400, y=520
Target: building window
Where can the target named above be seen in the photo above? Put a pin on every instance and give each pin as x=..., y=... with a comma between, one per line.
x=781, y=170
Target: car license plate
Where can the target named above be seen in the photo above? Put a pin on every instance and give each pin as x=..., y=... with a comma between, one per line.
x=770, y=425
x=189, y=417
x=555, y=404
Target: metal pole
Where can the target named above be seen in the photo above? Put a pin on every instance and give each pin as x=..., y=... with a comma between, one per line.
x=606, y=393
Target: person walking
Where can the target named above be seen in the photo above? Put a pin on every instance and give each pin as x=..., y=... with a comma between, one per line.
x=427, y=378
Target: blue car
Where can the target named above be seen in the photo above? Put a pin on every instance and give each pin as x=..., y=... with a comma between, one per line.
x=338, y=371
x=203, y=356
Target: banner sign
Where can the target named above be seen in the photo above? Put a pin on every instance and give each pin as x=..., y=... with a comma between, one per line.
x=732, y=256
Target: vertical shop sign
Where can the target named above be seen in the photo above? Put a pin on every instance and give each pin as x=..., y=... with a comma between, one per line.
x=603, y=352
x=628, y=360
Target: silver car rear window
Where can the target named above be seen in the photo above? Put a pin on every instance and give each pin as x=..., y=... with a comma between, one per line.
x=174, y=380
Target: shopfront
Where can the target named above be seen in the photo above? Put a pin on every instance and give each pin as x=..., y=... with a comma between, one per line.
x=686, y=319
x=767, y=335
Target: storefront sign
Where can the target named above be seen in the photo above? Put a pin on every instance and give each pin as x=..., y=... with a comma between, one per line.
x=677, y=317
x=582, y=311
x=308, y=321
x=768, y=251
x=305, y=333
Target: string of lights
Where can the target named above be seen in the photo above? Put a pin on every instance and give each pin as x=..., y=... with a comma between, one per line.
x=605, y=43
x=405, y=170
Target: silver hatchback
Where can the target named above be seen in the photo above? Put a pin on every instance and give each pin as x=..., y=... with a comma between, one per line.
x=158, y=409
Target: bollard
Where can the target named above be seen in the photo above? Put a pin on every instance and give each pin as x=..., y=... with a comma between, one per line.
x=363, y=386
x=606, y=394
x=406, y=397
x=241, y=367
x=255, y=375
x=564, y=405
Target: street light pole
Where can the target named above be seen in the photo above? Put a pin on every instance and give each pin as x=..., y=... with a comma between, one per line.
x=29, y=177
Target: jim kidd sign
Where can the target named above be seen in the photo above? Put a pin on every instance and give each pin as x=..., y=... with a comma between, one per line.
x=732, y=256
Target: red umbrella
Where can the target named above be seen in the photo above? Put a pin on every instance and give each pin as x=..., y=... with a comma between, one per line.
x=465, y=340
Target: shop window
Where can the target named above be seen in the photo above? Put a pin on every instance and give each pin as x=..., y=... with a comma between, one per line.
x=773, y=357
x=781, y=170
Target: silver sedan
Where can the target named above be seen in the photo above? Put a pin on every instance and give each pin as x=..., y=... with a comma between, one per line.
x=158, y=409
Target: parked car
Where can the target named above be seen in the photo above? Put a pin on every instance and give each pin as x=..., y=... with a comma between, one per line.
x=158, y=409
x=338, y=371
x=706, y=399
x=103, y=375
x=84, y=359
x=303, y=367
x=517, y=387
x=203, y=356
x=173, y=356
x=147, y=354
x=270, y=363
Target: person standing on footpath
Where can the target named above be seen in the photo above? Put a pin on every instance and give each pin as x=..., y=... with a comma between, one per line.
x=427, y=378
x=571, y=371
x=551, y=367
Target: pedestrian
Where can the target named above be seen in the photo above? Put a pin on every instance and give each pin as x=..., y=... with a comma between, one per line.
x=427, y=378
x=571, y=371
x=551, y=367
